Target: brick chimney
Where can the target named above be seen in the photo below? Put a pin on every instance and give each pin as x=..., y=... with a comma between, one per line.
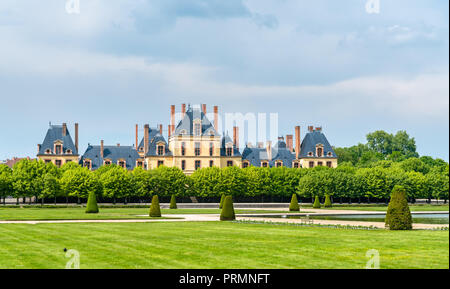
x=146, y=138
x=269, y=149
x=236, y=137
x=160, y=129
x=168, y=128
x=260, y=144
x=216, y=118
x=290, y=142
x=319, y=128
x=118, y=144
x=183, y=109
x=297, y=142
x=39, y=148
x=102, y=147
x=172, y=118
x=136, y=135
x=204, y=108
x=76, y=136
x=310, y=128
x=64, y=129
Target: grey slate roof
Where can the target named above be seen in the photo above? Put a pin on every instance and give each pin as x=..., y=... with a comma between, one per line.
x=279, y=153
x=113, y=153
x=187, y=123
x=311, y=140
x=154, y=137
x=54, y=133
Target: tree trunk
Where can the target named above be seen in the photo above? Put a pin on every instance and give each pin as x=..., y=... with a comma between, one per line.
x=359, y=200
x=17, y=201
x=78, y=200
x=42, y=201
x=55, y=201
x=67, y=200
x=114, y=200
x=125, y=201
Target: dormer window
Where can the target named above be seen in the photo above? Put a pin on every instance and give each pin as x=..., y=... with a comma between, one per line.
x=245, y=164
x=58, y=149
x=69, y=152
x=160, y=150
x=183, y=131
x=229, y=151
x=264, y=164
x=121, y=164
x=48, y=151
x=319, y=150
x=279, y=164
x=87, y=164
x=107, y=162
x=310, y=154
x=197, y=128
x=329, y=154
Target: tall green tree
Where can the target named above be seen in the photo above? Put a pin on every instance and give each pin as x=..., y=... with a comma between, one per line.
x=79, y=183
x=116, y=183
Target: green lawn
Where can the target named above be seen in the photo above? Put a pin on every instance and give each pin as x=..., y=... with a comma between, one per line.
x=217, y=245
x=413, y=208
x=105, y=213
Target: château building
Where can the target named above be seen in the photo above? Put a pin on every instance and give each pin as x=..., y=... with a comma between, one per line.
x=193, y=143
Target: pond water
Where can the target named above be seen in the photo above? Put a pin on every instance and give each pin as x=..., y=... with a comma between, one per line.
x=440, y=218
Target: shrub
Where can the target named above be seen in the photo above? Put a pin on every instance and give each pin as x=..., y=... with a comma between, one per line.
x=155, y=210
x=327, y=203
x=227, y=213
x=222, y=198
x=398, y=215
x=92, y=207
x=294, y=207
x=316, y=204
x=173, y=202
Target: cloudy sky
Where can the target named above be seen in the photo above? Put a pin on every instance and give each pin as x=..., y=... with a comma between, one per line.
x=323, y=63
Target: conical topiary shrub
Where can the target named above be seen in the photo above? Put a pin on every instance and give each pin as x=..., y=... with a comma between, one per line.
x=398, y=215
x=222, y=198
x=92, y=207
x=294, y=207
x=316, y=204
x=327, y=203
x=173, y=202
x=228, y=210
x=155, y=210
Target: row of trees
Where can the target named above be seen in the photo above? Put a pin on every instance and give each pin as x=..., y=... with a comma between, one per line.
x=45, y=181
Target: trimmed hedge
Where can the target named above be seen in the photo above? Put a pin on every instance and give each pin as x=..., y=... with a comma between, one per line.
x=398, y=215
x=227, y=213
x=92, y=207
x=293, y=206
x=327, y=203
x=155, y=210
x=173, y=202
x=316, y=203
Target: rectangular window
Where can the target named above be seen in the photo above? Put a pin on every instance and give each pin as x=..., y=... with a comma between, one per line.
x=183, y=148
x=198, y=129
x=264, y=165
x=87, y=164
x=48, y=161
x=329, y=164
x=296, y=165
x=211, y=149
x=229, y=152
x=122, y=164
x=197, y=165
x=211, y=164
x=58, y=150
x=197, y=149
x=245, y=165
x=279, y=164
x=183, y=165
x=107, y=163
x=229, y=163
x=160, y=150
x=320, y=164
x=160, y=163
x=311, y=164
x=139, y=164
x=58, y=163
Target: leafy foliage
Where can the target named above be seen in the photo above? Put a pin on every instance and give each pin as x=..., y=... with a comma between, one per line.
x=155, y=209
x=293, y=206
x=173, y=202
x=227, y=213
x=316, y=204
x=327, y=203
x=92, y=207
x=398, y=215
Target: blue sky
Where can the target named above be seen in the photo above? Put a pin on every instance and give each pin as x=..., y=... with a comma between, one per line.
x=324, y=63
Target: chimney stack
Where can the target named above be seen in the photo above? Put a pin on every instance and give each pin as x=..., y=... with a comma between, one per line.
x=310, y=128
x=216, y=118
x=64, y=129
x=172, y=115
x=136, y=135
x=260, y=144
x=297, y=142
x=168, y=128
x=118, y=144
x=269, y=150
x=160, y=129
x=76, y=136
x=183, y=109
x=39, y=148
x=146, y=138
x=319, y=128
x=102, y=147
x=204, y=108
x=290, y=142
x=236, y=137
